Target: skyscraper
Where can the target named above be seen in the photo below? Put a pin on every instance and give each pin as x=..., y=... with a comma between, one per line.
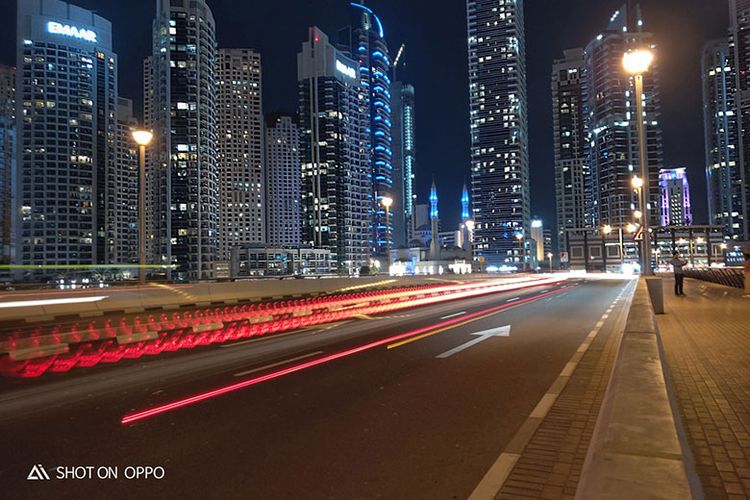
x=499, y=138
x=675, y=197
x=242, y=210
x=283, y=179
x=739, y=16
x=404, y=162
x=723, y=169
x=182, y=176
x=434, y=223
x=365, y=43
x=613, y=139
x=122, y=191
x=335, y=151
x=7, y=158
x=66, y=83
x=572, y=172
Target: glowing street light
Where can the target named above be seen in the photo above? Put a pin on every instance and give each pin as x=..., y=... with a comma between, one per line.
x=387, y=201
x=521, y=250
x=636, y=182
x=637, y=62
x=631, y=228
x=549, y=256
x=142, y=138
x=637, y=214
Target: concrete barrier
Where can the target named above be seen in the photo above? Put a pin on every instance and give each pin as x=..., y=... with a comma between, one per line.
x=635, y=451
x=157, y=296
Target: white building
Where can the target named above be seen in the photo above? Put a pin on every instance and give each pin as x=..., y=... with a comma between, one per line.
x=242, y=211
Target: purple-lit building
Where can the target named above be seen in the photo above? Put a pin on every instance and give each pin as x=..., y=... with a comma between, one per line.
x=675, y=197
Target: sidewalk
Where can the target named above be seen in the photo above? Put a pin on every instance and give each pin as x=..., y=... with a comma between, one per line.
x=706, y=339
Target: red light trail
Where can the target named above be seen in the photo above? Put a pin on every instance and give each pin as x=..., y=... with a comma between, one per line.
x=156, y=410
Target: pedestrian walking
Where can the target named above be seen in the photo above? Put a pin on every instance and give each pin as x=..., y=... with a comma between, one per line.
x=679, y=273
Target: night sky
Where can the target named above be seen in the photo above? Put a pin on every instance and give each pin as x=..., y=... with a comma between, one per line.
x=435, y=36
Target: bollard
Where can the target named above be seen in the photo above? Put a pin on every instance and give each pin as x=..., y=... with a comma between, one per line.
x=656, y=293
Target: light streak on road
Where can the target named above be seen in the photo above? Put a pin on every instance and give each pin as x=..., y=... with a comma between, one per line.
x=157, y=410
x=51, y=302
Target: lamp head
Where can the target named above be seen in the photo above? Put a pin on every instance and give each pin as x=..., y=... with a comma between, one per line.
x=142, y=137
x=637, y=62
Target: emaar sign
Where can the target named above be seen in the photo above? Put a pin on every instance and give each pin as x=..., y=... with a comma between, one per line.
x=67, y=30
x=346, y=70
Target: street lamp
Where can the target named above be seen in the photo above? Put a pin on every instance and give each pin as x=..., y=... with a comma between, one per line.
x=549, y=256
x=142, y=138
x=387, y=201
x=606, y=230
x=470, y=243
x=637, y=62
x=521, y=251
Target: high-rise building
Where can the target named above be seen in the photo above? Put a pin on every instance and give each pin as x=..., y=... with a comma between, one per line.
x=536, y=250
x=613, y=138
x=675, y=197
x=7, y=158
x=723, y=172
x=67, y=102
x=434, y=223
x=499, y=138
x=242, y=210
x=182, y=176
x=404, y=162
x=335, y=152
x=365, y=42
x=283, y=180
x=572, y=172
x=122, y=190
x=739, y=16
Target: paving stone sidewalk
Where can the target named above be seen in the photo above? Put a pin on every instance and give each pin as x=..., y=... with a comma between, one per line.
x=706, y=339
x=551, y=464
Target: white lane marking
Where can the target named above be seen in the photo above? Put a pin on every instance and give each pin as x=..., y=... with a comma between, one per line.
x=513, y=299
x=502, y=331
x=272, y=365
x=453, y=315
x=495, y=477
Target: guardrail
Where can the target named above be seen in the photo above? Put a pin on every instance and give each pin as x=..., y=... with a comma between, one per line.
x=32, y=351
x=727, y=277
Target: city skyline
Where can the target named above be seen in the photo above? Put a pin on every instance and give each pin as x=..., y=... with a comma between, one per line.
x=545, y=42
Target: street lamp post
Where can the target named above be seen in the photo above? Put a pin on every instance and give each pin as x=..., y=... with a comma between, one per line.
x=605, y=232
x=521, y=251
x=637, y=62
x=549, y=256
x=470, y=241
x=142, y=138
x=387, y=201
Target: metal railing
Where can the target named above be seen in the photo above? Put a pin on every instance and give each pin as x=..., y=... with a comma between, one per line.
x=727, y=277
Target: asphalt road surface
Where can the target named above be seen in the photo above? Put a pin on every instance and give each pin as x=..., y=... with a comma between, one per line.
x=340, y=411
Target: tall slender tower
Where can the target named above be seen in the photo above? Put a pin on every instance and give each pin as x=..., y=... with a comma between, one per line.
x=498, y=117
x=404, y=162
x=366, y=44
x=283, y=179
x=335, y=154
x=572, y=172
x=66, y=128
x=611, y=121
x=7, y=159
x=434, y=223
x=739, y=16
x=182, y=176
x=723, y=169
x=242, y=210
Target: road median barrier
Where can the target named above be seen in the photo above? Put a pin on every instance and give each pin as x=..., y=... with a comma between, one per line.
x=636, y=451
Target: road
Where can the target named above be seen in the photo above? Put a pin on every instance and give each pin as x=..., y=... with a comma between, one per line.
x=414, y=404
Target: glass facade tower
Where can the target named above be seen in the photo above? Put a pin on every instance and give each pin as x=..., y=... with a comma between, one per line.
x=498, y=126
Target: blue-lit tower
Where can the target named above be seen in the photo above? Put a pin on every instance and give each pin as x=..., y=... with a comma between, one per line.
x=367, y=45
x=434, y=219
x=465, y=214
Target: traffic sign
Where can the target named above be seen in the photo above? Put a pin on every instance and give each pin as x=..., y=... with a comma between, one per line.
x=638, y=236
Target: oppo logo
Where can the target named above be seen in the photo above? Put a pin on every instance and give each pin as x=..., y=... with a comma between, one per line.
x=67, y=30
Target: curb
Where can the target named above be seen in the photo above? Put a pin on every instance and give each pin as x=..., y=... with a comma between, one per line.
x=636, y=450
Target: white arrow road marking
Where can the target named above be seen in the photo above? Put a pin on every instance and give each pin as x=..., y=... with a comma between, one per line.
x=502, y=331
x=453, y=315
